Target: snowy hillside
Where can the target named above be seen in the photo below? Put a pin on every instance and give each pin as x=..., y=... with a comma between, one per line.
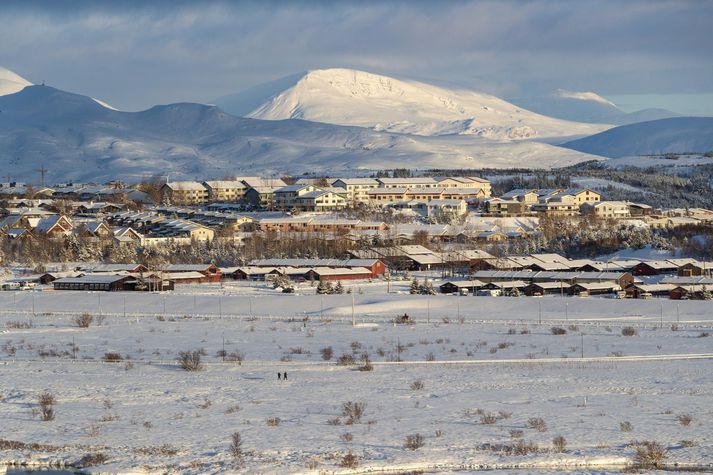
x=74, y=137
x=675, y=135
x=350, y=97
x=11, y=82
x=587, y=107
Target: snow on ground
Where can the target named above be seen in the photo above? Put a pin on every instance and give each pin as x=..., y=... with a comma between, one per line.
x=474, y=355
x=645, y=253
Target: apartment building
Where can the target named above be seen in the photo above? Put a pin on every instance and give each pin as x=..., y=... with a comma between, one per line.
x=184, y=193
x=230, y=191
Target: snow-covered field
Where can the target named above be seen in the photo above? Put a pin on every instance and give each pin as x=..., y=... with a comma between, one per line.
x=475, y=357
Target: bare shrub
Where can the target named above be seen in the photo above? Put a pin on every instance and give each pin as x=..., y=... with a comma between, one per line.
x=524, y=448
x=327, y=353
x=19, y=325
x=83, y=320
x=273, y=421
x=349, y=461
x=335, y=421
x=537, y=423
x=47, y=401
x=488, y=418
x=366, y=366
x=92, y=459
x=430, y=357
x=438, y=433
x=559, y=443
x=418, y=385
x=520, y=447
x=414, y=442
x=346, y=360
x=704, y=334
x=234, y=357
x=516, y=433
x=110, y=357
x=558, y=331
x=626, y=426
x=190, y=360
x=650, y=455
x=685, y=419
x=687, y=443
x=347, y=437
x=236, y=445
x=628, y=331
x=353, y=411
x=232, y=409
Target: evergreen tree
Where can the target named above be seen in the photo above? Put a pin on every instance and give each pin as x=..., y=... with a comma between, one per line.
x=322, y=288
x=427, y=288
x=415, y=287
x=339, y=289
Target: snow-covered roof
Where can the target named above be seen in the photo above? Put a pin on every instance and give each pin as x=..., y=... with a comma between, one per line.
x=186, y=186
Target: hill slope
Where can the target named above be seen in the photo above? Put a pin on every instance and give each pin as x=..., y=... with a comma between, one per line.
x=350, y=97
x=675, y=135
x=587, y=107
x=77, y=138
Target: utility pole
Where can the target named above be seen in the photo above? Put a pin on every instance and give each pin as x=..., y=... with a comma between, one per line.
x=540, y=318
x=353, y=320
x=428, y=303
x=42, y=171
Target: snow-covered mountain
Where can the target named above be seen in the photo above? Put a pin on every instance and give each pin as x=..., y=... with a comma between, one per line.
x=351, y=97
x=587, y=107
x=74, y=137
x=674, y=135
x=11, y=82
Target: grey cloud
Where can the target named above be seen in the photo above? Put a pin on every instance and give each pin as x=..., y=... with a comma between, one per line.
x=135, y=54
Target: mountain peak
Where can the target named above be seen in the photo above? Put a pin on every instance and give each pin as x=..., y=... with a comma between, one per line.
x=344, y=96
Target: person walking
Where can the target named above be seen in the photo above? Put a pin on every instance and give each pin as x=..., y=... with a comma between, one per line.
x=284, y=376
x=279, y=375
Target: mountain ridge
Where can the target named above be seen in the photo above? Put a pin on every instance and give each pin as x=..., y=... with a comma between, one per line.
x=671, y=135
x=78, y=139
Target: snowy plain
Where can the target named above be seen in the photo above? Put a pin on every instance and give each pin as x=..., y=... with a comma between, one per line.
x=475, y=356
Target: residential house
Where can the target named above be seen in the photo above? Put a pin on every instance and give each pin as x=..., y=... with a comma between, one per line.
x=501, y=207
x=607, y=209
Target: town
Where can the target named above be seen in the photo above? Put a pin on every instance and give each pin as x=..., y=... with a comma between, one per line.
x=450, y=229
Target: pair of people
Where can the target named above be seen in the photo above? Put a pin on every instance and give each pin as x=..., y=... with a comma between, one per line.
x=282, y=376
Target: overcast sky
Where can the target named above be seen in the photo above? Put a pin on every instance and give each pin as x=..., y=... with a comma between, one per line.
x=134, y=54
